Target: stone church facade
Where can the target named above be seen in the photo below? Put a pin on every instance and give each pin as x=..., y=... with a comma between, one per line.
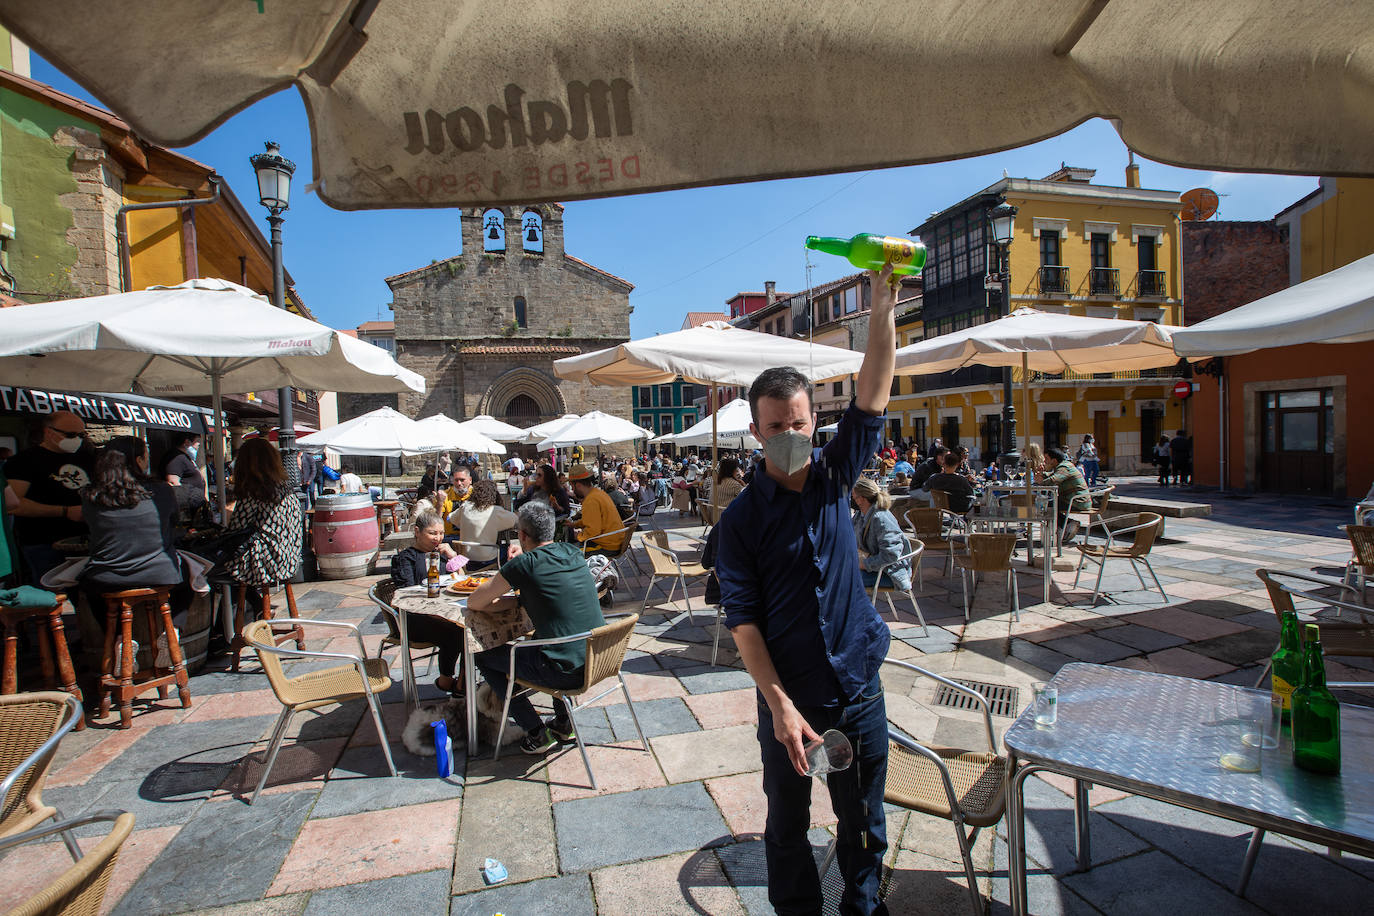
x=484, y=327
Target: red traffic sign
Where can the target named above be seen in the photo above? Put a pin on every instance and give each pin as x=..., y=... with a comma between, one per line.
x=1183, y=389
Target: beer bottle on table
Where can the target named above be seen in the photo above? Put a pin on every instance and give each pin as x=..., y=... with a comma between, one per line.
x=871, y=252
x=1286, y=663
x=432, y=576
x=1316, y=714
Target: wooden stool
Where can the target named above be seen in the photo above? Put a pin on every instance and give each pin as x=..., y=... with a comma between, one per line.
x=52, y=646
x=388, y=506
x=295, y=631
x=129, y=682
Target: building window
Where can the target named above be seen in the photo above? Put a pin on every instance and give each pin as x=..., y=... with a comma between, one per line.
x=1054, y=429
x=977, y=247
x=851, y=300
x=949, y=432
x=896, y=386
x=1101, y=250
x=1049, y=249
x=532, y=232
x=835, y=306
x=521, y=318
x=494, y=230
x=665, y=396
x=1146, y=253
x=665, y=424
x=959, y=248
x=837, y=389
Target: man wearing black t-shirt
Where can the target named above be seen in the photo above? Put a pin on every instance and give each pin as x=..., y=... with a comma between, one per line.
x=953, y=483
x=47, y=479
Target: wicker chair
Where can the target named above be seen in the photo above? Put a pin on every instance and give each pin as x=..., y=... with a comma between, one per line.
x=989, y=553
x=1094, y=514
x=80, y=890
x=1339, y=638
x=381, y=594
x=31, y=727
x=965, y=787
x=606, y=647
x=361, y=677
x=1361, y=565
x=626, y=548
x=1143, y=527
x=928, y=527
x=664, y=564
x=914, y=549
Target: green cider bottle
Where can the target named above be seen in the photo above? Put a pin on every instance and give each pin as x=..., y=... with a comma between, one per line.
x=1316, y=714
x=1286, y=671
x=871, y=252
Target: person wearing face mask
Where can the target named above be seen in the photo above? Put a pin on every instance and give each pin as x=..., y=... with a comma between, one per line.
x=181, y=472
x=47, y=479
x=457, y=493
x=794, y=598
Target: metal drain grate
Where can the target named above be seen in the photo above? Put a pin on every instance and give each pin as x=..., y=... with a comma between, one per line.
x=1000, y=697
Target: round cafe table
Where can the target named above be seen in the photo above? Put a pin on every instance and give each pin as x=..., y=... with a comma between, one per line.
x=481, y=631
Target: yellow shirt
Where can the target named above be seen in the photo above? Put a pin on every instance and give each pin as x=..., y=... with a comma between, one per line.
x=599, y=515
x=452, y=501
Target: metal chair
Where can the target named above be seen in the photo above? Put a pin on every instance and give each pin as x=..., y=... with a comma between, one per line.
x=965, y=787
x=361, y=677
x=1361, y=564
x=1339, y=638
x=928, y=527
x=31, y=727
x=914, y=549
x=381, y=594
x=1143, y=527
x=989, y=553
x=80, y=890
x=664, y=564
x=606, y=647
x=1095, y=513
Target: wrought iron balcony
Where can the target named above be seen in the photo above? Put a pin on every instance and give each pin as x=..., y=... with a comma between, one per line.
x=1104, y=281
x=1054, y=280
x=1151, y=283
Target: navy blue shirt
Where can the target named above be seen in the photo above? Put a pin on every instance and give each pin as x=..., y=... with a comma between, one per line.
x=789, y=564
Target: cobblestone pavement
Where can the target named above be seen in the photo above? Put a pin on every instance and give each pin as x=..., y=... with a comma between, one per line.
x=678, y=829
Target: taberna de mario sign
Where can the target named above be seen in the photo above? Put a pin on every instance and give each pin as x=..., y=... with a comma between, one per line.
x=108, y=409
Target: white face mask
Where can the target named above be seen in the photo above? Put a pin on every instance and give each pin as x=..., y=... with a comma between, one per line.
x=788, y=451
x=71, y=446
x=191, y=452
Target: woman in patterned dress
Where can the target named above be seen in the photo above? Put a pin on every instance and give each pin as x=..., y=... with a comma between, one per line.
x=265, y=505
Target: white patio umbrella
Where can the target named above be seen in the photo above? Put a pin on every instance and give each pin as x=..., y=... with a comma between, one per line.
x=714, y=353
x=383, y=432
x=541, y=431
x=404, y=94
x=594, y=428
x=728, y=426
x=1041, y=342
x=201, y=337
x=493, y=428
x=1336, y=307
x=459, y=436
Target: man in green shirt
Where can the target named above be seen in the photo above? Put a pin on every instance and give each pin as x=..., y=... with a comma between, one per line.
x=1073, y=489
x=559, y=594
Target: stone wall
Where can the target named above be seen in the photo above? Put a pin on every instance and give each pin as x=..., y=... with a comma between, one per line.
x=1228, y=264
x=456, y=323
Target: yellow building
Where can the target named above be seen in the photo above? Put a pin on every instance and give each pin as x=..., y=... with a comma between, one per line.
x=1077, y=248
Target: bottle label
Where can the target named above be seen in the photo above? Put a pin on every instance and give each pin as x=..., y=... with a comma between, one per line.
x=898, y=252
x=1284, y=691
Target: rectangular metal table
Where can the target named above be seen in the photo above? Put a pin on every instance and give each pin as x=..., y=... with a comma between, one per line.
x=990, y=513
x=1157, y=735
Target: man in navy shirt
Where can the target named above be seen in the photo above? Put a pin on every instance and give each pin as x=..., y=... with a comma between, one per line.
x=788, y=567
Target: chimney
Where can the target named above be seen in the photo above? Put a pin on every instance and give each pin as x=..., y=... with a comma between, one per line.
x=770, y=289
x=1132, y=173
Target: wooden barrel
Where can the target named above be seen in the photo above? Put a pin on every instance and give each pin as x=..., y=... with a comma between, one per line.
x=345, y=535
x=194, y=637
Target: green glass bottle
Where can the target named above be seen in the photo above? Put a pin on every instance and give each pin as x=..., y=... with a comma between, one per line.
x=1286, y=672
x=1316, y=714
x=871, y=252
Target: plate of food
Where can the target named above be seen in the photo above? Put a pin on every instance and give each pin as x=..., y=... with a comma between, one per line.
x=468, y=585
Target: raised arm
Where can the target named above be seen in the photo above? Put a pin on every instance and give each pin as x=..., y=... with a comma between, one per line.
x=875, y=377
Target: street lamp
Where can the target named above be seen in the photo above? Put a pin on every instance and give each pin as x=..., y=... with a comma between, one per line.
x=274, y=192
x=1002, y=220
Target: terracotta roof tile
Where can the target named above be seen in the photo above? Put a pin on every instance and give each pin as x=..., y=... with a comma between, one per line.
x=697, y=319
x=377, y=326
x=8, y=301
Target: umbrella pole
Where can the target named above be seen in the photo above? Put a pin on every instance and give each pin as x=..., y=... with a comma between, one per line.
x=715, y=411
x=217, y=405
x=1025, y=413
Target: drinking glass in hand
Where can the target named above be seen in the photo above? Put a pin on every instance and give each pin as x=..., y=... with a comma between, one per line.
x=829, y=753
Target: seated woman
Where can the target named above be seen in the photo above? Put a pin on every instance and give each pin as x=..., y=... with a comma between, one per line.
x=269, y=508
x=880, y=537
x=410, y=567
x=729, y=483
x=130, y=517
x=901, y=484
x=480, y=519
x=549, y=485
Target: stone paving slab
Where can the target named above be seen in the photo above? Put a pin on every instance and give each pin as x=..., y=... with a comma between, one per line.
x=629, y=827
x=570, y=895
x=424, y=894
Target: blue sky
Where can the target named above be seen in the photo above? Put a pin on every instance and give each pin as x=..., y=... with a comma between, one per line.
x=683, y=250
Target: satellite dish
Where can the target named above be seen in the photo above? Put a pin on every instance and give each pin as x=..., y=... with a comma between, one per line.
x=1199, y=203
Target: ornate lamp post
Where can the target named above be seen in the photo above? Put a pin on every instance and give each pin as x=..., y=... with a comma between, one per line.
x=1002, y=219
x=274, y=192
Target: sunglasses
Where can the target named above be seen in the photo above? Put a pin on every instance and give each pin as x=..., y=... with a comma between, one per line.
x=66, y=435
